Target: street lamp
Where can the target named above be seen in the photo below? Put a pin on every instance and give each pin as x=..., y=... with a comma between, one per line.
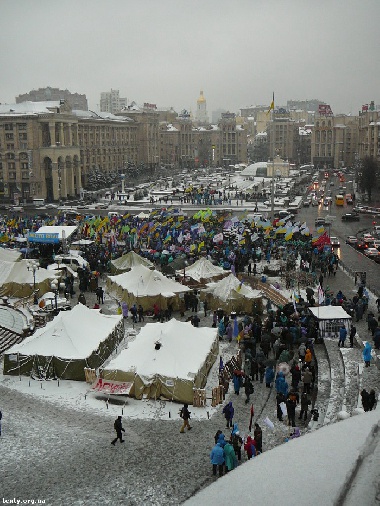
x=33, y=266
x=54, y=286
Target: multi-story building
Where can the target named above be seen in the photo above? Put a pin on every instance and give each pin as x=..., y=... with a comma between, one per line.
x=334, y=140
x=48, y=94
x=47, y=150
x=110, y=101
x=369, y=134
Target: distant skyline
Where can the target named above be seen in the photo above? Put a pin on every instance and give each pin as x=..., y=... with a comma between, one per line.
x=165, y=52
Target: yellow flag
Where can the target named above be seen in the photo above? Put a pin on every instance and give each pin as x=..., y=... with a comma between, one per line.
x=271, y=107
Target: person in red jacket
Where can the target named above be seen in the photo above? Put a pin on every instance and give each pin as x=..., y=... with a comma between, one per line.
x=249, y=448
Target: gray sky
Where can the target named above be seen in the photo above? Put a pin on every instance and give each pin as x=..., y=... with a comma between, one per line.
x=165, y=51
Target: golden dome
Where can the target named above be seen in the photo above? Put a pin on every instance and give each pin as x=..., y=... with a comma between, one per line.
x=201, y=98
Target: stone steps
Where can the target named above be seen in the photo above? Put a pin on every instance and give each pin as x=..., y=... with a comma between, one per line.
x=353, y=367
x=337, y=394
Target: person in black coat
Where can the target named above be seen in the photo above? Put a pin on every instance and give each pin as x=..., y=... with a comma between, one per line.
x=352, y=335
x=280, y=397
x=119, y=429
x=291, y=404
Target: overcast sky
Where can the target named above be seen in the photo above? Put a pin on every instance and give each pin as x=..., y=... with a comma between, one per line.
x=165, y=51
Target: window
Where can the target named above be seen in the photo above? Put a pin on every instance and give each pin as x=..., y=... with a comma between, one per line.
x=10, y=156
x=10, y=147
x=24, y=165
x=25, y=175
x=23, y=145
x=8, y=126
x=22, y=136
x=9, y=137
x=23, y=156
x=11, y=165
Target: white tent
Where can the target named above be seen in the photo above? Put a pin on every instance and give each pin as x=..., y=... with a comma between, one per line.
x=203, y=271
x=73, y=340
x=63, y=231
x=181, y=363
x=146, y=287
x=128, y=261
x=231, y=294
x=18, y=281
x=330, y=319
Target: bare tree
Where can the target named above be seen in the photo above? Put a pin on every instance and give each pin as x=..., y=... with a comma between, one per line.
x=368, y=175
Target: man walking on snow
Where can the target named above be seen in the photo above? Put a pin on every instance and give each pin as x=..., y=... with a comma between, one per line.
x=119, y=429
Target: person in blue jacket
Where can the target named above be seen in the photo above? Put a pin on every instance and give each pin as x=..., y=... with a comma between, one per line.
x=342, y=335
x=367, y=354
x=217, y=459
x=281, y=384
x=269, y=376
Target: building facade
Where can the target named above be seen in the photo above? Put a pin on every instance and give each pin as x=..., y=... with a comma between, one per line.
x=110, y=101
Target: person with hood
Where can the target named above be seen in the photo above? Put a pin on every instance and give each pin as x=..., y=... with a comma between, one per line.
x=281, y=384
x=229, y=456
x=269, y=376
x=237, y=381
x=302, y=351
x=367, y=354
x=228, y=412
x=249, y=448
x=308, y=357
x=217, y=459
x=124, y=309
x=119, y=429
x=342, y=335
x=185, y=415
x=296, y=376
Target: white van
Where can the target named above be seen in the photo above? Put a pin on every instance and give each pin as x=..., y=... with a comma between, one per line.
x=73, y=261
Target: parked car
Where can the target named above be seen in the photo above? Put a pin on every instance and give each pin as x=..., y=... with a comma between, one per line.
x=350, y=217
x=319, y=222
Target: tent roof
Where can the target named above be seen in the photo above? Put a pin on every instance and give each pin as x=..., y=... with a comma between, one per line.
x=141, y=281
x=229, y=288
x=330, y=313
x=58, y=229
x=183, y=351
x=129, y=260
x=18, y=273
x=203, y=269
x=9, y=255
x=72, y=334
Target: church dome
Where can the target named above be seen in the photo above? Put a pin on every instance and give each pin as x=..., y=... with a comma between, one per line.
x=201, y=98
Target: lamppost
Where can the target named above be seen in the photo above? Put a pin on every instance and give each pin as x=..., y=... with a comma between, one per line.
x=33, y=266
x=55, y=287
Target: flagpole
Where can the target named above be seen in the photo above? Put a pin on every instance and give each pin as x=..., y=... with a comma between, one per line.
x=273, y=153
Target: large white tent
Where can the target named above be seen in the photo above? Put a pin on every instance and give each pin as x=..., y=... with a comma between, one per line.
x=231, y=294
x=203, y=271
x=73, y=340
x=128, y=261
x=146, y=287
x=18, y=281
x=172, y=369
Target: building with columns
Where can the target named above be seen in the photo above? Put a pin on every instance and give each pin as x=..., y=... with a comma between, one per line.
x=47, y=150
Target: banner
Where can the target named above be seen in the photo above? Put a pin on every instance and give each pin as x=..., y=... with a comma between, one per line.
x=112, y=387
x=44, y=238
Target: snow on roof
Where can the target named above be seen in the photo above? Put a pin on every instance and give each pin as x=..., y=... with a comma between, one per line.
x=142, y=281
x=57, y=229
x=251, y=169
x=330, y=313
x=72, y=334
x=203, y=269
x=9, y=255
x=171, y=359
x=17, y=272
x=324, y=460
x=130, y=260
x=28, y=107
x=231, y=288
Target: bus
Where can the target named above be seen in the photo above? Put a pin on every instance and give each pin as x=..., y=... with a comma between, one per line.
x=339, y=200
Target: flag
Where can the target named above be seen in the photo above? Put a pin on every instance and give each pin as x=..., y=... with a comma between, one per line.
x=271, y=107
x=251, y=418
x=321, y=295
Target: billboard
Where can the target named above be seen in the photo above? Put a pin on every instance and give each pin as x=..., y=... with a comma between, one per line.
x=324, y=110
